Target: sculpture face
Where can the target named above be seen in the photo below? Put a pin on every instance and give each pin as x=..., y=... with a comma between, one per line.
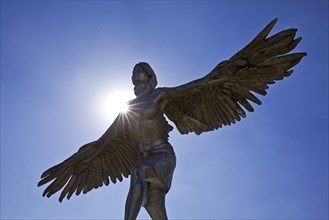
x=139, y=77
x=141, y=81
x=147, y=69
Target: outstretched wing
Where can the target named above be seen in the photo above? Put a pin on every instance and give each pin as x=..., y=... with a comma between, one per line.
x=93, y=164
x=217, y=99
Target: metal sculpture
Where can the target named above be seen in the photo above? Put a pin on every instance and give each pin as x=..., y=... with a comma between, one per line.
x=136, y=144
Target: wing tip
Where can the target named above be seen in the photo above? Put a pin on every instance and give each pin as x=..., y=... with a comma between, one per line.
x=40, y=183
x=303, y=54
x=274, y=21
x=269, y=27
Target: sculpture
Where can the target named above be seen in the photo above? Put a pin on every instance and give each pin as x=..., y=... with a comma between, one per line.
x=137, y=144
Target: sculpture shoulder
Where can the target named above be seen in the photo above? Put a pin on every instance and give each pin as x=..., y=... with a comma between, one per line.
x=161, y=95
x=160, y=91
x=167, y=94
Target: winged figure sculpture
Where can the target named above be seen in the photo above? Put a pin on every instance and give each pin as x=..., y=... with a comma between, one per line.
x=136, y=144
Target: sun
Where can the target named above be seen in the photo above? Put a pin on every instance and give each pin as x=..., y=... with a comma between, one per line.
x=112, y=103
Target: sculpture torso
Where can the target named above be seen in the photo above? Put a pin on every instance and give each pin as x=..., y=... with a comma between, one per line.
x=146, y=117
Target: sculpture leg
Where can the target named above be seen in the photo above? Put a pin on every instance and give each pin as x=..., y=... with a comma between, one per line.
x=139, y=174
x=156, y=204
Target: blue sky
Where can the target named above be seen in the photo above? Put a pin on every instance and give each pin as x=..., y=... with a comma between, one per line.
x=62, y=60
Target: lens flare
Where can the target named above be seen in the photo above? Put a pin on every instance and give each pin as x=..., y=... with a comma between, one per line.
x=113, y=103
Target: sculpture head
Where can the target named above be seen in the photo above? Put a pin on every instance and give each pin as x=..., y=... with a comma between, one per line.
x=148, y=71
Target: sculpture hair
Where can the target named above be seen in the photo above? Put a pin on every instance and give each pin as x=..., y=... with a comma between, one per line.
x=149, y=71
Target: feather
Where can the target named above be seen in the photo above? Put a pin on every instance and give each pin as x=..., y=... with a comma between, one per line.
x=68, y=187
x=81, y=184
x=261, y=36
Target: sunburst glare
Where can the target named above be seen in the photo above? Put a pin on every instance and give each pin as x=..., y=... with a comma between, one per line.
x=113, y=103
